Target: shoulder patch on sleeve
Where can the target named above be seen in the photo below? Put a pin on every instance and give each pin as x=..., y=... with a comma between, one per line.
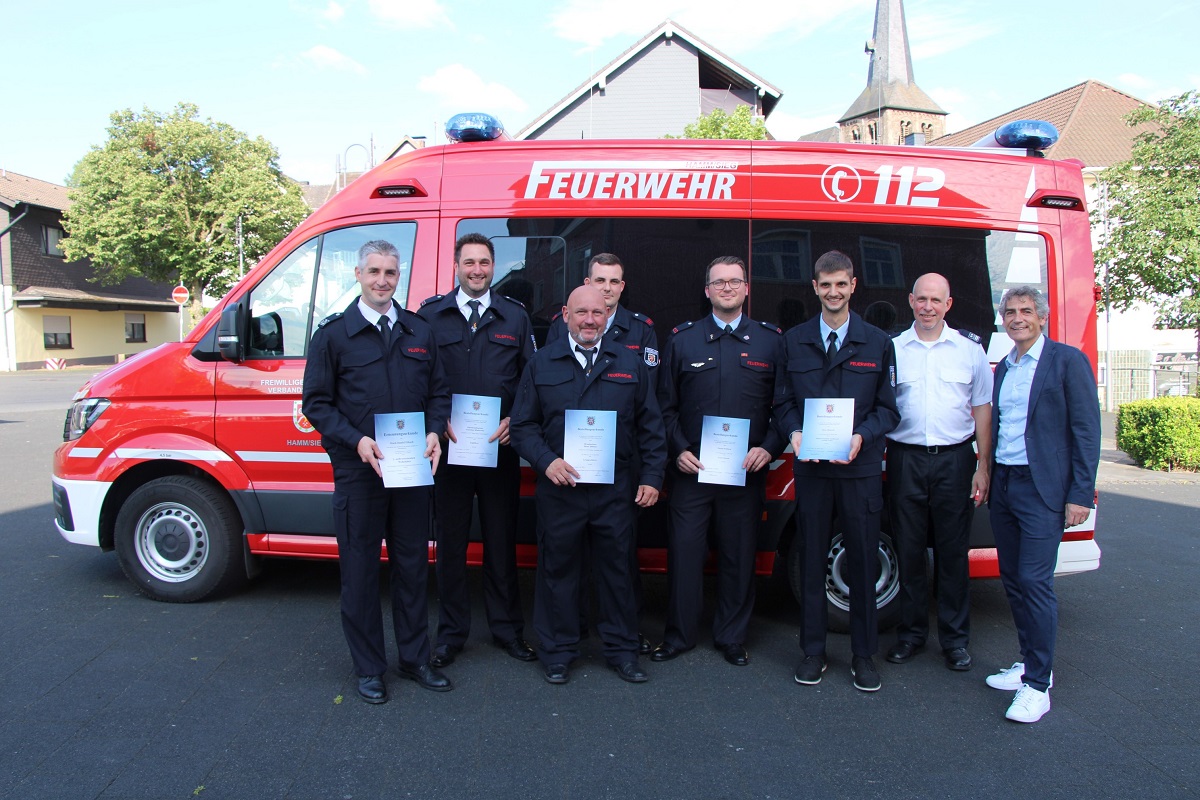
x=433, y=299
x=683, y=326
x=974, y=337
x=770, y=327
x=329, y=319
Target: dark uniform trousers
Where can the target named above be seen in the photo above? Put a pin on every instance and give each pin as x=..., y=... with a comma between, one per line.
x=706, y=371
x=488, y=362
x=351, y=375
x=588, y=524
x=733, y=512
x=863, y=368
x=930, y=492
x=363, y=513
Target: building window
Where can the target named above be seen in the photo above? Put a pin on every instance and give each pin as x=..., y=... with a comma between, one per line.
x=56, y=332
x=881, y=263
x=51, y=241
x=135, y=328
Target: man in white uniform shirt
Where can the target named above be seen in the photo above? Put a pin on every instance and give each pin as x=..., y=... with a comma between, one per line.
x=935, y=481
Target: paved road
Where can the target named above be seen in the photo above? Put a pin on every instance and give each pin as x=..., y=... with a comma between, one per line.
x=105, y=694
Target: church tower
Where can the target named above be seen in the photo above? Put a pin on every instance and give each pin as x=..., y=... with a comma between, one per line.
x=892, y=109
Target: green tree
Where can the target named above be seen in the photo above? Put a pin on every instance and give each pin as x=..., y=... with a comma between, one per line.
x=1149, y=211
x=719, y=124
x=161, y=197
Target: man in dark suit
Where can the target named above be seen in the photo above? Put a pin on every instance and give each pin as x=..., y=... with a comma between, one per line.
x=838, y=355
x=1047, y=449
x=587, y=371
x=720, y=366
x=484, y=340
x=378, y=358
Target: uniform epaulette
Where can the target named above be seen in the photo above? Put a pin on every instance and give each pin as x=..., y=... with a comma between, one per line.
x=556, y=317
x=513, y=299
x=433, y=299
x=642, y=318
x=770, y=326
x=974, y=337
x=683, y=326
x=330, y=318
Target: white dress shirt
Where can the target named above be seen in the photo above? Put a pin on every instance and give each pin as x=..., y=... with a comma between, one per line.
x=937, y=385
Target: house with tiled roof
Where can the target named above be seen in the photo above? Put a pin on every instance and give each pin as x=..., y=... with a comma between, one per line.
x=666, y=80
x=53, y=312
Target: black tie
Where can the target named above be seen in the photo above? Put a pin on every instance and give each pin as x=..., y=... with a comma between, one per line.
x=831, y=351
x=473, y=320
x=587, y=355
x=385, y=330
x=728, y=328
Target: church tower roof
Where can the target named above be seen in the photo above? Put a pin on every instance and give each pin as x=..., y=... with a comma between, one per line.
x=890, y=82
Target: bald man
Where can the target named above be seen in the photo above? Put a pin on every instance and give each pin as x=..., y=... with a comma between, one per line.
x=935, y=480
x=587, y=371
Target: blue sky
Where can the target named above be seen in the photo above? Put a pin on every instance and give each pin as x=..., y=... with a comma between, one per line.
x=319, y=77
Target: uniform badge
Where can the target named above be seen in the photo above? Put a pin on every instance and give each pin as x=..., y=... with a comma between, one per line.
x=651, y=357
x=697, y=363
x=299, y=420
x=892, y=374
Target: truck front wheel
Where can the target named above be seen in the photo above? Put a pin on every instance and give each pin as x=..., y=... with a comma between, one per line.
x=837, y=592
x=179, y=540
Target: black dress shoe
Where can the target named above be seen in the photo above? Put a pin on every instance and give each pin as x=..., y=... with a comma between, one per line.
x=667, y=651
x=444, y=655
x=372, y=689
x=426, y=676
x=735, y=654
x=902, y=652
x=631, y=672
x=519, y=649
x=557, y=673
x=644, y=646
x=957, y=659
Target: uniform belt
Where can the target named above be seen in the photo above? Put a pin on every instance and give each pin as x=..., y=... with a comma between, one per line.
x=932, y=449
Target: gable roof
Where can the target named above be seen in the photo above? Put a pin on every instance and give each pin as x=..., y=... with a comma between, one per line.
x=16, y=188
x=713, y=63
x=1090, y=121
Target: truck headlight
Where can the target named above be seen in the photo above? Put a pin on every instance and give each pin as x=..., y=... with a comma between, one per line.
x=81, y=416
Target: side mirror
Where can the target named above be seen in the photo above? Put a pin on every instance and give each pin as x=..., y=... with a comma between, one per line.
x=231, y=333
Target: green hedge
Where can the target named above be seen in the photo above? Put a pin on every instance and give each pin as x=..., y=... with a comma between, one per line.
x=1163, y=433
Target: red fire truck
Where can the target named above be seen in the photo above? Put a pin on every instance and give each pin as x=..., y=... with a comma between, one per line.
x=193, y=460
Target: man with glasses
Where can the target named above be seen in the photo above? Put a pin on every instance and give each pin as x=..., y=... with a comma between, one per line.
x=722, y=366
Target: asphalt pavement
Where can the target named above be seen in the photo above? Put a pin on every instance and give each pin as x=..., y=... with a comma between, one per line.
x=106, y=694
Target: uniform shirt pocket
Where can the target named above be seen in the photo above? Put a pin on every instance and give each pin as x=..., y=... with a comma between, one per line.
x=552, y=377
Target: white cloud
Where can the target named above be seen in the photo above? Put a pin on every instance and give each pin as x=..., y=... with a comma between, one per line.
x=943, y=29
x=324, y=57
x=332, y=12
x=458, y=87
x=592, y=24
x=408, y=15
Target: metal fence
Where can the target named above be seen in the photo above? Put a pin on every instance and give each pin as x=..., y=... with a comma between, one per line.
x=1124, y=384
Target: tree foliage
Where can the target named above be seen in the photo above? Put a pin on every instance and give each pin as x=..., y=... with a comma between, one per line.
x=161, y=197
x=719, y=124
x=1149, y=209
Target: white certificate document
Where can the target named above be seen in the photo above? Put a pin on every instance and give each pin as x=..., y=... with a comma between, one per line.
x=401, y=439
x=828, y=428
x=724, y=442
x=474, y=418
x=590, y=444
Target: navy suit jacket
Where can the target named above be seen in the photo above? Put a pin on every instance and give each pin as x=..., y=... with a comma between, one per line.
x=1062, y=431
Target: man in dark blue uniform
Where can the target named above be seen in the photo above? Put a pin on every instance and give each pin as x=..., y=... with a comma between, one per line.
x=722, y=366
x=634, y=332
x=587, y=371
x=484, y=341
x=838, y=355
x=378, y=358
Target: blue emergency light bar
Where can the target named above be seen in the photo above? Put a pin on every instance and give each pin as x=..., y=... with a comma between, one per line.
x=474, y=127
x=1025, y=134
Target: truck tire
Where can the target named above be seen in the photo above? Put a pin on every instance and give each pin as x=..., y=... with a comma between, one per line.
x=837, y=594
x=179, y=540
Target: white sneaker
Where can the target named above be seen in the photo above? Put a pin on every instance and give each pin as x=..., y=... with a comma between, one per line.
x=1011, y=679
x=1029, y=705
